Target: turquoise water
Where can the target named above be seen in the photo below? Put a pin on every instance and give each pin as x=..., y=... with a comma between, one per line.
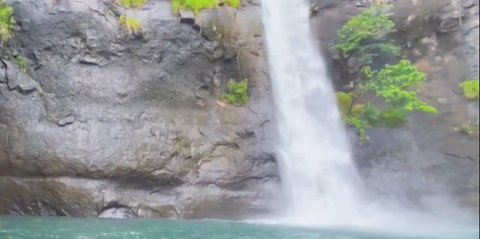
x=63, y=228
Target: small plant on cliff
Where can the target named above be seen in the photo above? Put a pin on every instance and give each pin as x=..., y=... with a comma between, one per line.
x=365, y=37
x=7, y=23
x=471, y=89
x=198, y=5
x=22, y=63
x=131, y=25
x=131, y=3
x=237, y=93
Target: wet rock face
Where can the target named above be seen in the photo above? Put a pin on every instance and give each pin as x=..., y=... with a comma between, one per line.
x=428, y=158
x=102, y=117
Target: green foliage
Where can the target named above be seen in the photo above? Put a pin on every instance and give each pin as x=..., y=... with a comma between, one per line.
x=198, y=5
x=132, y=3
x=131, y=25
x=397, y=85
x=232, y=3
x=358, y=116
x=237, y=93
x=22, y=63
x=365, y=118
x=367, y=35
x=394, y=84
x=393, y=118
x=471, y=89
x=7, y=23
x=371, y=115
x=344, y=101
x=360, y=125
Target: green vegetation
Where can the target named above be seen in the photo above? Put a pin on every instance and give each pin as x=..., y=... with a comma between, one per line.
x=22, y=63
x=366, y=37
x=198, y=5
x=7, y=23
x=396, y=85
x=361, y=43
x=131, y=25
x=471, y=89
x=132, y=3
x=237, y=93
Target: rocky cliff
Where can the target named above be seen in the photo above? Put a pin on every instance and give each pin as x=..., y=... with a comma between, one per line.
x=429, y=159
x=107, y=123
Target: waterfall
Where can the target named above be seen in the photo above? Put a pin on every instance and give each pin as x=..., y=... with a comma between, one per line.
x=321, y=184
x=318, y=175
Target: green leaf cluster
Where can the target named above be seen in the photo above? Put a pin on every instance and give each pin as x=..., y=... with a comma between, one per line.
x=132, y=3
x=131, y=25
x=470, y=89
x=237, y=93
x=198, y=5
x=397, y=85
x=366, y=36
x=7, y=23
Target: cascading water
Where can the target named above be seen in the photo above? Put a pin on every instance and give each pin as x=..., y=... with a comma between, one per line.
x=319, y=177
x=322, y=186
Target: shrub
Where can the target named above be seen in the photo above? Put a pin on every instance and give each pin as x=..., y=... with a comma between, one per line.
x=22, y=63
x=198, y=5
x=132, y=3
x=237, y=93
x=131, y=25
x=366, y=36
x=7, y=23
x=397, y=85
x=471, y=89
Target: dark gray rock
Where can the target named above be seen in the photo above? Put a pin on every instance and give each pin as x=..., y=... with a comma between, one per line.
x=133, y=132
x=68, y=119
x=118, y=213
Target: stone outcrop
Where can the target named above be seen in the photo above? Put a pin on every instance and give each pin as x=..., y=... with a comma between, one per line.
x=109, y=124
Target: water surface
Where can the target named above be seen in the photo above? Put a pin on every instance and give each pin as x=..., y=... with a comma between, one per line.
x=67, y=228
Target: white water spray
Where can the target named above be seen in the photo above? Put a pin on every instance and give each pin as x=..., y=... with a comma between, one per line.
x=322, y=186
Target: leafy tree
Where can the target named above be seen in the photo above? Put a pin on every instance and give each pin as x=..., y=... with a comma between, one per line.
x=198, y=5
x=365, y=37
x=396, y=85
x=7, y=23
